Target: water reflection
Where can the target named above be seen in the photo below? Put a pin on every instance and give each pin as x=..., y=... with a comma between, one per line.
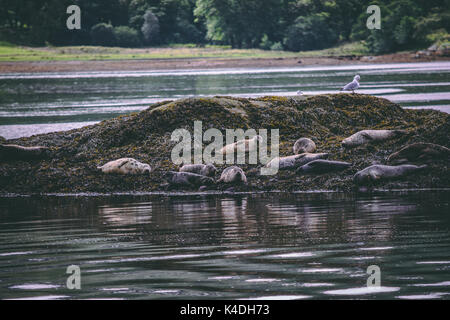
x=226, y=246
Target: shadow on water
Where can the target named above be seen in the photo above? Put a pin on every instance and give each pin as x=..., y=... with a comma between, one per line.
x=284, y=246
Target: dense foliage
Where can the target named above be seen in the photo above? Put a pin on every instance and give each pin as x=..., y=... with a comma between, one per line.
x=268, y=24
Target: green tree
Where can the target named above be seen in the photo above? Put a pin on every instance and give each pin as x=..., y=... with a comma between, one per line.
x=150, y=28
x=310, y=33
x=103, y=34
x=126, y=37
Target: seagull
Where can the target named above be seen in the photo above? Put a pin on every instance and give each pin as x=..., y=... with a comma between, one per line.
x=299, y=92
x=352, y=86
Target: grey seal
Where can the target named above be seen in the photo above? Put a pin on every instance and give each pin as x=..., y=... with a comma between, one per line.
x=16, y=152
x=304, y=145
x=294, y=161
x=125, y=166
x=383, y=172
x=187, y=179
x=421, y=153
x=233, y=174
x=249, y=145
x=367, y=136
x=323, y=166
x=208, y=170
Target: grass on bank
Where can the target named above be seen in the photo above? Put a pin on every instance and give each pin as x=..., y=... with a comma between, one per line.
x=11, y=53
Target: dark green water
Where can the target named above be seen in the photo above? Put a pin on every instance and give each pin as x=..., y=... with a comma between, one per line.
x=297, y=246
x=46, y=102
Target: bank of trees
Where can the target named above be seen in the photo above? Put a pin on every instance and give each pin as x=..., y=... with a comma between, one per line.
x=294, y=25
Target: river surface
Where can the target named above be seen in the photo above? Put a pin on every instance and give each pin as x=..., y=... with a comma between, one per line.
x=45, y=102
x=242, y=246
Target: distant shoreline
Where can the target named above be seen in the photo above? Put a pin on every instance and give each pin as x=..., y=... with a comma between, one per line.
x=206, y=63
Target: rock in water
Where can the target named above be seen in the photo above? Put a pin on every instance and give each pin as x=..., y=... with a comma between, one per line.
x=187, y=179
x=208, y=170
x=16, y=152
x=125, y=166
x=420, y=153
x=368, y=136
x=233, y=174
x=304, y=145
x=380, y=172
x=323, y=166
x=293, y=162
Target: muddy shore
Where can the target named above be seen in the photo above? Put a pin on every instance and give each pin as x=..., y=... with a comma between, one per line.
x=146, y=136
x=206, y=63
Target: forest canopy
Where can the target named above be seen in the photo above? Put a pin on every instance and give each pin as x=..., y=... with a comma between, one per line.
x=294, y=25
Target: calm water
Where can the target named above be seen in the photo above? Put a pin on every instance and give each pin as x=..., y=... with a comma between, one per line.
x=298, y=246
x=38, y=103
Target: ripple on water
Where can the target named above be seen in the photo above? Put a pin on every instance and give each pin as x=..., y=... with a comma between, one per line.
x=35, y=286
x=280, y=297
x=361, y=291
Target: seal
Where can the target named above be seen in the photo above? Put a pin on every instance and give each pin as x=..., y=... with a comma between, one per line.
x=367, y=136
x=294, y=161
x=303, y=145
x=16, y=152
x=323, y=166
x=187, y=179
x=249, y=145
x=208, y=170
x=125, y=166
x=420, y=153
x=383, y=172
x=233, y=174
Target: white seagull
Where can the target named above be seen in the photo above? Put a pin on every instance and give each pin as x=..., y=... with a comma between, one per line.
x=352, y=86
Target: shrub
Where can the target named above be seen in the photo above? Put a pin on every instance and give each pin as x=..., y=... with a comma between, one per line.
x=126, y=37
x=265, y=44
x=277, y=46
x=103, y=34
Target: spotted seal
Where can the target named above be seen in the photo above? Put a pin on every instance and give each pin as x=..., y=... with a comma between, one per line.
x=249, y=145
x=294, y=161
x=304, y=145
x=420, y=153
x=367, y=136
x=16, y=152
x=323, y=166
x=208, y=170
x=383, y=172
x=187, y=179
x=233, y=174
x=125, y=166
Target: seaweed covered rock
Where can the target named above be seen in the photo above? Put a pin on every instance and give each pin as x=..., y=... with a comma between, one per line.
x=326, y=119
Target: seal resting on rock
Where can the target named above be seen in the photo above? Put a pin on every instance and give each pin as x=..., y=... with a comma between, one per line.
x=382, y=172
x=125, y=166
x=208, y=170
x=249, y=145
x=323, y=166
x=233, y=174
x=187, y=179
x=421, y=153
x=16, y=152
x=367, y=136
x=294, y=161
x=304, y=145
